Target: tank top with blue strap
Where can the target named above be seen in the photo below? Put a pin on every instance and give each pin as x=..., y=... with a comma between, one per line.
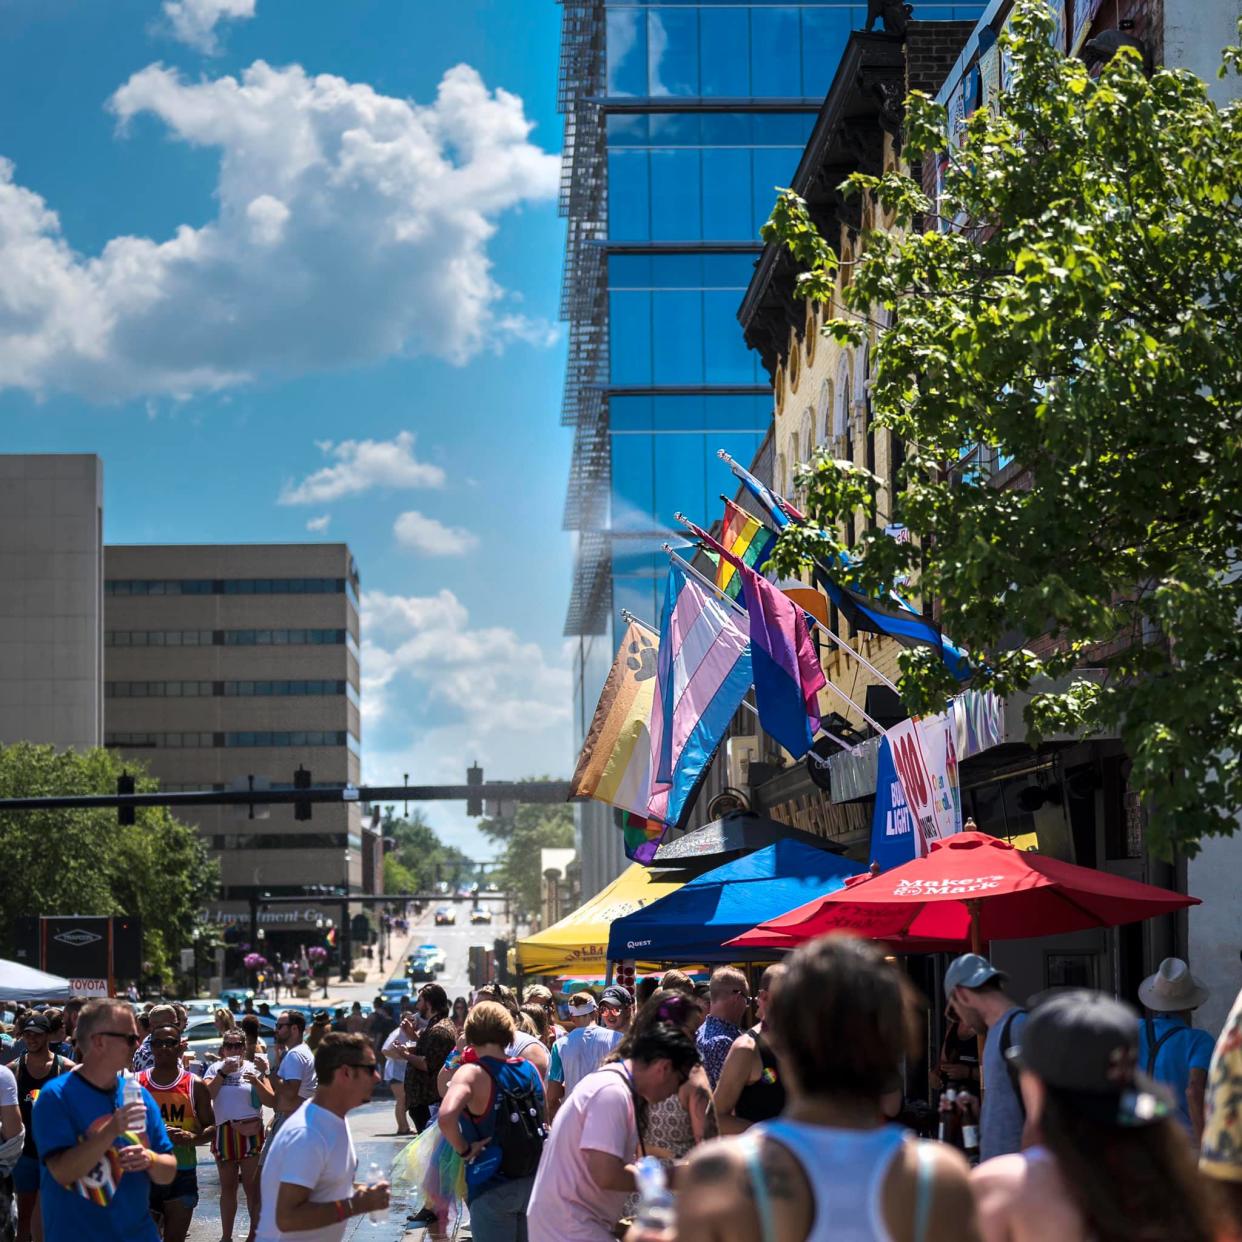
x=845, y=1170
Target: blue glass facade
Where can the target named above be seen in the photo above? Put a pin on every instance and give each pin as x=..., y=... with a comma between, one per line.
x=704, y=109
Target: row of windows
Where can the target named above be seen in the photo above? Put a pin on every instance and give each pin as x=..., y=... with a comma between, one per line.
x=284, y=841
x=692, y=412
x=695, y=194
x=654, y=476
x=229, y=638
x=682, y=271
x=181, y=741
x=217, y=689
x=710, y=129
x=225, y=586
x=676, y=336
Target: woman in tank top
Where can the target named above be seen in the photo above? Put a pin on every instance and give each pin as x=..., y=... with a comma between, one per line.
x=751, y=1087
x=830, y=1169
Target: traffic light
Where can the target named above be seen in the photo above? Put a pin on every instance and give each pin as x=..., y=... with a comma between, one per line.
x=474, y=799
x=301, y=780
x=124, y=785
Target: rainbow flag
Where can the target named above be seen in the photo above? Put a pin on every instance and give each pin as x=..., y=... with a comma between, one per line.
x=642, y=837
x=747, y=538
x=615, y=763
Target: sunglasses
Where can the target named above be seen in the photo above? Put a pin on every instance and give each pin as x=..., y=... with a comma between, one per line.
x=167, y=1043
x=132, y=1040
x=228, y=1043
x=372, y=1067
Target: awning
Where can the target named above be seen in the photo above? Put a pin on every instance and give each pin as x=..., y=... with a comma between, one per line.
x=19, y=982
x=692, y=924
x=578, y=944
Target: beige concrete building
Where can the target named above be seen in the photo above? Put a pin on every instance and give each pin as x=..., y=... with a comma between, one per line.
x=51, y=559
x=224, y=662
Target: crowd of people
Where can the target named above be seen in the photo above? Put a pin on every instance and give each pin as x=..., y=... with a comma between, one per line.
x=682, y=1112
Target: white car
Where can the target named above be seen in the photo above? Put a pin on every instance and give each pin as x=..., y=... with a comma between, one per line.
x=480, y=915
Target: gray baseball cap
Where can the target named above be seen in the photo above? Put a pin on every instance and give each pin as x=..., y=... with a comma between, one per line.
x=971, y=970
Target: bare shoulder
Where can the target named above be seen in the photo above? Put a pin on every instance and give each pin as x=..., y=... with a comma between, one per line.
x=712, y=1185
x=952, y=1211
x=1002, y=1173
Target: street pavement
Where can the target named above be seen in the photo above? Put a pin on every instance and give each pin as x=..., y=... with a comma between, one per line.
x=374, y=1125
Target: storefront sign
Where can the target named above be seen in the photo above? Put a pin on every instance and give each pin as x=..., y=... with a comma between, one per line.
x=89, y=987
x=941, y=754
x=893, y=839
x=910, y=761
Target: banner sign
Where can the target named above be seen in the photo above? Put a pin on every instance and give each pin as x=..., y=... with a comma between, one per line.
x=941, y=755
x=78, y=948
x=893, y=839
x=906, y=740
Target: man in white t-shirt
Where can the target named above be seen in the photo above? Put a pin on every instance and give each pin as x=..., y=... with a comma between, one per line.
x=580, y=1052
x=295, y=1077
x=308, y=1188
x=587, y=1167
x=10, y=1109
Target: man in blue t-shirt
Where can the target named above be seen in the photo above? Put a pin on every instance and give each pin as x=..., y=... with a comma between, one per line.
x=100, y=1157
x=1183, y=1055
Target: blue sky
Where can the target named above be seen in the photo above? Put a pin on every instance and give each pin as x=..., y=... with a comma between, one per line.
x=291, y=262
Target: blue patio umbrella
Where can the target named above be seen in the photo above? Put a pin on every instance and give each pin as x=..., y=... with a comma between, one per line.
x=693, y=923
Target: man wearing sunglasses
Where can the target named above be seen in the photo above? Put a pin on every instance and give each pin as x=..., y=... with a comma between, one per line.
x=308, y=1191
x=100, y=1158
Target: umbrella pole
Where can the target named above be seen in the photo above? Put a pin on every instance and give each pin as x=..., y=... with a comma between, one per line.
x=976, y=946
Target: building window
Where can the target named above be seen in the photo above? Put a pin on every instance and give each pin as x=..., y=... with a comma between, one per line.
x=281, y=638
x=262, y=738
x=300, y=737
x=226, y=586
x=278, y=841
x=280, y=689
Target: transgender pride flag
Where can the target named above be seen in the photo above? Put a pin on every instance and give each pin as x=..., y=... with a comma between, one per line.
x=704, y=672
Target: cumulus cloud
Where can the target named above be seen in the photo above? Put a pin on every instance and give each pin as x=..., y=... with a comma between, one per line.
x=194, y=21
x=317, y=525
x=424, y=534
x=350, y=226
x=361, y=465
x=487, y=675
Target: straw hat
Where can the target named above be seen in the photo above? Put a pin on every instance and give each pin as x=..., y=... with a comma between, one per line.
x=1172, y=989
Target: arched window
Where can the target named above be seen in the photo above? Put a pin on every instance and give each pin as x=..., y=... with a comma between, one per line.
x=841, y=419
x=808, y=434
x=825, y=411
x=812, y=332
x=782, y=481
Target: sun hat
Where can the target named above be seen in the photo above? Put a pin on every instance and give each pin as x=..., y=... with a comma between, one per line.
x=1172, y=989
x=971, y=970
x=1084, y=1047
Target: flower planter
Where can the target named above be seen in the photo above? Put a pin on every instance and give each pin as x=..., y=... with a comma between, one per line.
x=359, y=976
x=303, y=992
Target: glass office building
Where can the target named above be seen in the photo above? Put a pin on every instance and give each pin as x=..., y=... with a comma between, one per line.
x=681, y=119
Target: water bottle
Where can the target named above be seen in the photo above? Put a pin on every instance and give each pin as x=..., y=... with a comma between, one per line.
x=655, y=1201
x=375, y=1175
x=131, y=1093
x=948, y=1098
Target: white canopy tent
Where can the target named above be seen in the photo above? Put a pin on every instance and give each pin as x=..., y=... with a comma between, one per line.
x=21, y=983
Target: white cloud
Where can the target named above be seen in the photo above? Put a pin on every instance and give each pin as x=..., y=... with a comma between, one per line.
x=488, y=675
x=360, y=466
x=350, y=226
x=424, y=534
x=438, y=694
x=319, y=524
x=194, y=21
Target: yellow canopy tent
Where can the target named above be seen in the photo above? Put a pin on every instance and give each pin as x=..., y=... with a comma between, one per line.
x=578, y=943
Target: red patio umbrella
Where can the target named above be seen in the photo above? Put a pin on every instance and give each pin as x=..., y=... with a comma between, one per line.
x=970, y=888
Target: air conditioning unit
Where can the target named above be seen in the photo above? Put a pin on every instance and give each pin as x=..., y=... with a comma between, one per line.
x=741, y=751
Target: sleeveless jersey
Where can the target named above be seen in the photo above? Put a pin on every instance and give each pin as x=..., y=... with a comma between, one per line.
x=176, y=1105
x=28, y=1088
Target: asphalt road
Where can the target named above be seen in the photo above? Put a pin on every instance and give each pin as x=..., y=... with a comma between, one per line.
x=373, y=1125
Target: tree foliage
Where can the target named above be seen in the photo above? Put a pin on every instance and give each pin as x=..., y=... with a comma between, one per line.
x=83, y=862
x=1072, y=304
x=419, y=859
x=532, y=827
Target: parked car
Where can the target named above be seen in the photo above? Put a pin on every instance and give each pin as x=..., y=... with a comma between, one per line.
x=203, y=1040
x=480, y=915
x=395, y=989
x=434, y=955
x=445, y=915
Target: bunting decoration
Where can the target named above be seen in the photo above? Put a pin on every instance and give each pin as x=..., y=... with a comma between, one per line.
x=748, y=539
x=704, y=673
x=615, y=763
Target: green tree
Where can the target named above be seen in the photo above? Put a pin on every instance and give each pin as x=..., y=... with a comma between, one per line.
x=422, y=858
x=83, y=862
x=532, y=827
x=1073, y=303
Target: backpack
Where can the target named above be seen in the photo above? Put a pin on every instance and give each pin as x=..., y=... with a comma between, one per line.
x=1006, y=1042
x=1154, y=1044
x=519, y=1126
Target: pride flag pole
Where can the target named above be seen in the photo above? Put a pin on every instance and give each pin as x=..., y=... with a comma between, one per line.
x=707, y=582
x=823, y=629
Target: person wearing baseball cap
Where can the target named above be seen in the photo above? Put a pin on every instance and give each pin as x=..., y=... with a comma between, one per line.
x=1171, y=1050
x=975, y=990
x=1112, y=1164
x=616, y=1006
x=581, y=1051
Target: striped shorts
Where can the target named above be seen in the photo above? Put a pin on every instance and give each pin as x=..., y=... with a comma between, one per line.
x=231, y=1145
